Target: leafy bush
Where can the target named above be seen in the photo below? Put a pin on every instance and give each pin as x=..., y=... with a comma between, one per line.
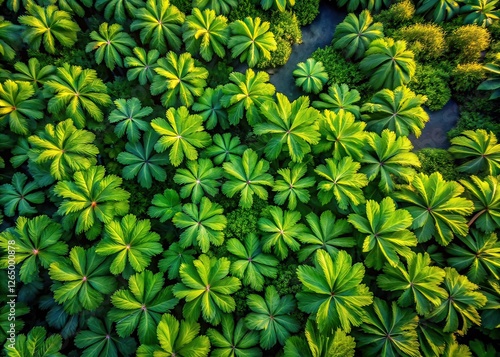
x=467, y=42
x=433, y=83
x=399, y=13
x=437, y=160
x=339, y=70
x=306, y=11
x=466, y=77
x=427, y=41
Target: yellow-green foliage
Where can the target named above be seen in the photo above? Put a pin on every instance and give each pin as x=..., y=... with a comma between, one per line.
x=468, y=42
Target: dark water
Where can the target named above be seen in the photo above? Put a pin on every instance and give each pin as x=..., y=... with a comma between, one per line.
x=320, y=34
x=316, y=35
x=434, y=133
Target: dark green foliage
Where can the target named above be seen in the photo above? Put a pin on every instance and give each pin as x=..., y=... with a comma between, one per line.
x=242, y=221
x=136, y=236
x=306, y=11
x=339, y=70
x=433, y=82
x=437, y=160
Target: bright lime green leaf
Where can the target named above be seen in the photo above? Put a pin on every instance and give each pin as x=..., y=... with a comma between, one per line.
x=178, y=79
x=418, y=282
x=388, y=235
x=342, y=182
x=234, y=340
x=91, y=198
x=436, y=207
x=271, y=315
x=85, y=280
x=332, y=291
x=199, y=178
x=182, y=132
x=294, y=186
x=141, y=306
x=203, y=224
x=65, y=147
x=459, y=310
x=281, y=231
x=129, y=241
x=248, y=176
x=327, y=233
x=160, y=25
x=292, y=124
x=251, y=264
x=354, y=35
x=37, y=244
x=479, y=252
x=16, y=107
x=388, y=331
x=207, y=289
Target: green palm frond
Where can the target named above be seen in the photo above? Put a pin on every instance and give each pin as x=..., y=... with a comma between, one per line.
x=332, y=291
x=178, y=79
x=48, y=24
x=252, y=264
x=207, y=289
x=33, y=72
x=437, y=207
x=310, y=76
x=342, y=135
x=354, y=35
x=388, y=63
x=272, y=316
x=389, y=158
x=485, y=195
x=182, y=132
x=205, y=33
x=19, y=195
x=251, y=40
x=203, y=224
x=140, y=307
x=160, y=25
x=118, y=10
x=245, y=94
x=129, y=241
x=77, y=92
x=91, y=198
x=82, y=280
x=281, y=231
x=220, y=6
x=399, y=110
x=248, y=176
x=18, y=108
x=142, y=162
x=66, y=148
x=110, y=44
x=38, y=244
x=141, y=65
x=416, y=283
x=292, y=124
x=210, y=108
x=342, y=182
x=293, y=186
x=480, y=151
x=199, y=178
x=339, y=98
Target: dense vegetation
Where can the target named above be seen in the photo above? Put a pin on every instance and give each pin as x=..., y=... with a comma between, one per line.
x=163, y=199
